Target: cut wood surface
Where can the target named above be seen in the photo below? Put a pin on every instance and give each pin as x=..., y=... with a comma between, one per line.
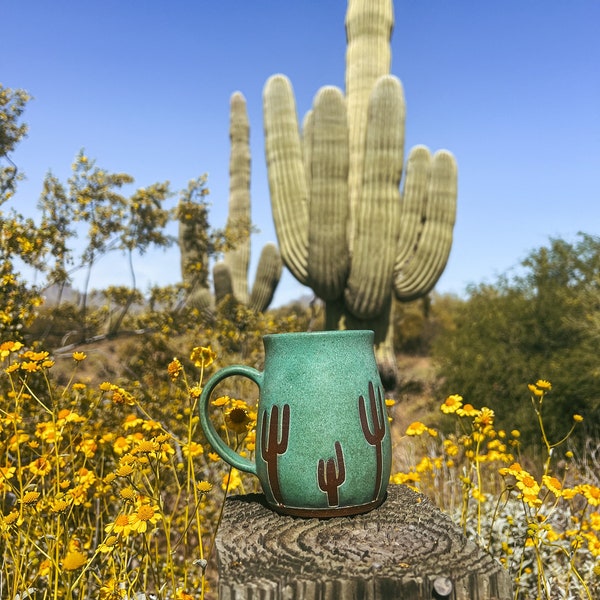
x=407, y=548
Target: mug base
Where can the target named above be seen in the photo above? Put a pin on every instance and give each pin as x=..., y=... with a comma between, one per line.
x=327, y=513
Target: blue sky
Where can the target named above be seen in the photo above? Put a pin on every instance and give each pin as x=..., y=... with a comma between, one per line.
x=511, y=87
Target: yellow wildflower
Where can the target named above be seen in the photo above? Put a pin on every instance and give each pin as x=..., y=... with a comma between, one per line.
x=146, y=447
x=48, y=432
x=12, y=518
x=121, y=445
x=87, y=447
x=569, y=493
x=536, y=391
x=204, y=487
x=450, y=447
x=122, y=396
x=237, y=420
x=145, y=514
x=192, y=449
x=231, y=480
x=79, y=356
x=59, y=505
x=406, y=478
x=542, y=384
x=7, y=347
x=202, y=356
x=121, y=526
x=108, y=545
x=6, y=473
x=416, y=428
x=477, y=494
x=36, y=356
x=485, y=418
x=86, y=477
x=577, y=418
x=127, y=459
x=468, y=410
x=30, y=366
x=124, y=470
x=174, y=369
x=128, y=493
x=452, y=404
x=553, y=484
x=531, y=499
x=221, y=401
x=30, y=498
x=69, y=416
x=528, y=484
x=591, y=493
x=78, y=494
x=113, y=591
x=515, y=469
x=593, y=544
x=425, y=464
x=44, y=568
x=74, y=560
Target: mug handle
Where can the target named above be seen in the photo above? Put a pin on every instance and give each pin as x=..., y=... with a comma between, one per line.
x=220, y=447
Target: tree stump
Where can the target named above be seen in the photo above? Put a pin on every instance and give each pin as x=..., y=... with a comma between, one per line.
x=407, y=548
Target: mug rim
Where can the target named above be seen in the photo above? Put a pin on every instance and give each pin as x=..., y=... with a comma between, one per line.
x=326, y=333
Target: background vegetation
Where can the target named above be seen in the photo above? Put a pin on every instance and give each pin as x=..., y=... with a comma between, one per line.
x=92, y=377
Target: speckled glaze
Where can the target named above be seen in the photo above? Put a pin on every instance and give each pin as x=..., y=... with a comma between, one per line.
x=323, y=444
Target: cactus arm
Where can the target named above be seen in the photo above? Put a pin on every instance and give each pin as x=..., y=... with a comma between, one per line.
x=414, y=198
x=307, y=146
x=416, y=275
x=268, y=273
x=222, y=282
x=327, y=147
x=238, y=220
x=369, y=25
x=287, y=179
x=376, y=219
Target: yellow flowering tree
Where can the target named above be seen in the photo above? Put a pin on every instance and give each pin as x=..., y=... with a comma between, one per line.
x=20, y=238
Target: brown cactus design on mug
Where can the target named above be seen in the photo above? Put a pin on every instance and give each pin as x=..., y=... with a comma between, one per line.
x=375, y=437
x=331, y=476
x=272, y=445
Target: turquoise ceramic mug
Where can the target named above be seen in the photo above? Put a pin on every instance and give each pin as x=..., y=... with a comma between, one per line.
x=323, y=444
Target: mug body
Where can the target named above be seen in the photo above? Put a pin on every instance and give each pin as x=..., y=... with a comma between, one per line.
x=323, y=445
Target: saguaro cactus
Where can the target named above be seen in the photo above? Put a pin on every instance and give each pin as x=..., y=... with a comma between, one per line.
x=230, y=276
x=236, y=260
x=343, y=225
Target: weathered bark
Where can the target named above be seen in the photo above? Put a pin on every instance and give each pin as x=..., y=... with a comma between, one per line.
x=405, y=549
